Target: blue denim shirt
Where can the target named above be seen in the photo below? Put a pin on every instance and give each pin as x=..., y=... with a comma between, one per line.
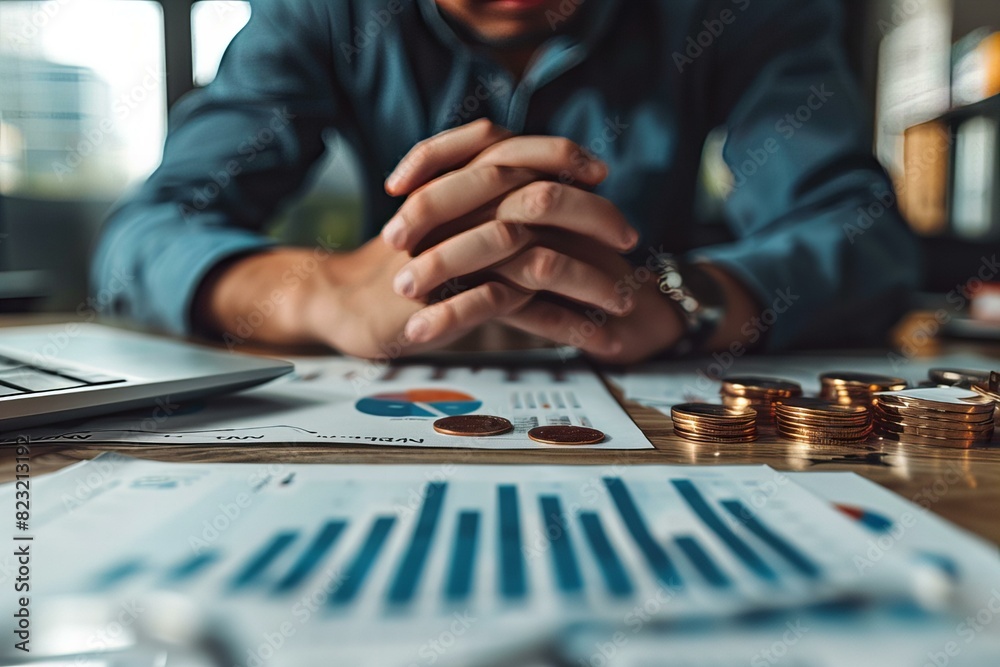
x=640, y=83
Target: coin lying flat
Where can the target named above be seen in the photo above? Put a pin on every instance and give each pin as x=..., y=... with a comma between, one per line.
x=850, y=387
x=566, y=435
x=473, y=425
x=758, y=393
x=942, y=399
x=748, y=386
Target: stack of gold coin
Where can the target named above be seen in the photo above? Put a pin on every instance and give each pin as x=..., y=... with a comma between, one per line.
x=820, y=422
x=850, y=388
x=937, y=416
x=704, y=422
x=758, y=393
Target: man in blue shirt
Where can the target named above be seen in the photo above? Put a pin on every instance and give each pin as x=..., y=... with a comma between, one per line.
x=550, y=151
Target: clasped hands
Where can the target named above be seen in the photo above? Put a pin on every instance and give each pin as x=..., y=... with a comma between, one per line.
x=503, y=227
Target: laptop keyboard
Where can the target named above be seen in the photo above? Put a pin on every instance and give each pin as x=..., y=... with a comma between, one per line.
x=17, y=377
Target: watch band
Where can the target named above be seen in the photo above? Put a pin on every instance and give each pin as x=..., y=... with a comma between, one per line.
x=698, y=297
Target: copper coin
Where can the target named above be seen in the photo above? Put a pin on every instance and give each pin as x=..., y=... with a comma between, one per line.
x=760, y=386
x=958, y=377
x=820, y=406
x=869, y=381
x=887, y=411
x=566, y=435
x=473, y=425
x=712, y=412
x=986, y=393
x=944, y=399
x=951, y=443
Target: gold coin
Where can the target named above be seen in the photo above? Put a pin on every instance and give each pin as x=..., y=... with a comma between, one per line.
x=473, y=425
x=566, y=435
x=868, y=381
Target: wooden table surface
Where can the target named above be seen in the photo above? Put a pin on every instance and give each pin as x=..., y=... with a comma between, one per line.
x=963, y=486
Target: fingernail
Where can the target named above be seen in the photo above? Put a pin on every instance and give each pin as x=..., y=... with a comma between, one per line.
x=598, y=169
x=625, y=305
x=416, y=329
x=395, y=178
x=630, y=239
x=393, y=232
x=403, y=285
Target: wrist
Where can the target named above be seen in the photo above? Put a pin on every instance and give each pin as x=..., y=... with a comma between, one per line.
x=697, y=299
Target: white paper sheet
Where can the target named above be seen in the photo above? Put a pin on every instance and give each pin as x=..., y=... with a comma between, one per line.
x=390, y=558
x=898, y=524
x=344, y=401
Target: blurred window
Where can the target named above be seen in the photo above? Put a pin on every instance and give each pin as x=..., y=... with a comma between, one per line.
x=214, y=23
x=78, y=120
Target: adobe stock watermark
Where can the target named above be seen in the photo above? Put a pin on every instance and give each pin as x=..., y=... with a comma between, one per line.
x=781, y=647
x=753, y=330
x=366, y=33
x=395, y=348
x=786, y=127
x=926, y=332
x=610, y=133
x=431, y=651
x=605, y=653
x=494, y=86
x=291, y=279
x=248, y=151
x=697, y=45
x=967, y=631
x=564, y=12
x=88, y=311
x=902, y=11
x=92, y=139
x=301, y=612
x=39, y=19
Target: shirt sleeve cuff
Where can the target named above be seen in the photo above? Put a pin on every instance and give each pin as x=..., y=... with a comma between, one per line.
x=177, y=273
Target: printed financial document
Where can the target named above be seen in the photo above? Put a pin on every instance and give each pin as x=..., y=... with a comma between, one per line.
x=347, y=401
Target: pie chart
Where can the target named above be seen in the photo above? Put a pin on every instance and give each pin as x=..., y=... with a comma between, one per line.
x=418, y=403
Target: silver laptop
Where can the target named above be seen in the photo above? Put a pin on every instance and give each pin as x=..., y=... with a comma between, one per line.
x=67, y=371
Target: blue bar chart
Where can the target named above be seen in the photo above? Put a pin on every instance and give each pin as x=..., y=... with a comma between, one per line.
x=538, y=544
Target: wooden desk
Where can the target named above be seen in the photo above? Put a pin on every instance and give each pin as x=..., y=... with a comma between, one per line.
x=963, y=486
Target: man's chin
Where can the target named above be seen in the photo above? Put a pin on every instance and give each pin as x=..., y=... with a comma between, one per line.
x=512, y=40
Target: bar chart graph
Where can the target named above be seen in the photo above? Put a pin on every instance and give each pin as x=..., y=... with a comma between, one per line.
x=497, y=538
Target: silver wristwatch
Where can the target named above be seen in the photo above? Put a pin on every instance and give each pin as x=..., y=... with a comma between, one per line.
x=698, y=296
